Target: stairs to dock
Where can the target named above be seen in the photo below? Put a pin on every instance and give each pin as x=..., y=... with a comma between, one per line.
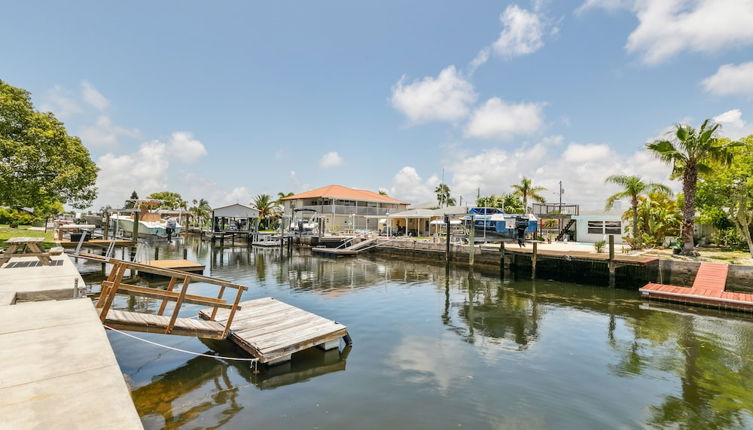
x=564, y=230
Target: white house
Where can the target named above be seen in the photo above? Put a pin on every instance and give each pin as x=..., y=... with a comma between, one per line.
x=595, y=227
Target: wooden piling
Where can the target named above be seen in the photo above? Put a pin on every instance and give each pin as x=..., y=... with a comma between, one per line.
x=502, y=255
x=156, y=253
x=472, y=240
x=106, y=226
x=185, y=253
x=534, y=257
x=135, y=231
x=612, y=264
x=447, y=245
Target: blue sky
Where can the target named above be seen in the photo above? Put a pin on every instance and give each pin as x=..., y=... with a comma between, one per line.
x=228, y=100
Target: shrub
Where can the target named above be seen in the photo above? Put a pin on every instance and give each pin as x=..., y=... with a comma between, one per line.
x=728, y=239
x=599, y=246
x=15, y=217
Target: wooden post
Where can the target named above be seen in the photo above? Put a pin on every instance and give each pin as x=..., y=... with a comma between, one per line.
x=612, y=264
x=135, y=231
x=156, y=252
x=185, y=253
x=178, y=303
x=502, y=255
x=534, y=257
x=106, y=226
x=472, y=241
x=447, y=245
x=170, y=287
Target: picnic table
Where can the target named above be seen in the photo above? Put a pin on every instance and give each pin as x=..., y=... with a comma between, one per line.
x=30, y=244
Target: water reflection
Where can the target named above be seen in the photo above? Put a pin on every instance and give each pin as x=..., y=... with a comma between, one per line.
x=437, y=345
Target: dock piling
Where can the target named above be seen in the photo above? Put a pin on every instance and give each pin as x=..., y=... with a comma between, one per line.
x=534, y=257
x=135, y=231
x=447, y=245
x=472, y=240
x=612, y=264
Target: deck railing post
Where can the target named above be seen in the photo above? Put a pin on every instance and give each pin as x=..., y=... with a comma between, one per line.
x=178, y=303
x=170, y=287
x=229, y=321
x=219, y=296
x=111, y=292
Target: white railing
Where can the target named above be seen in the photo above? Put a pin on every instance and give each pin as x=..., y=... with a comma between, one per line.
x=349, y=210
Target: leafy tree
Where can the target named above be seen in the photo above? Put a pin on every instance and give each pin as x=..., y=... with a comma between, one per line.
x=170, y=200
x=382, y=192
x=656, y=216
x=281, y=196
x=201, y=211
x=129, y=204
x=443, y=194
x=267, y=209
x=525, y=190
x=690, y=152
x=508, y=202
x=725, y=195
x=632, y=188
x=39, y=162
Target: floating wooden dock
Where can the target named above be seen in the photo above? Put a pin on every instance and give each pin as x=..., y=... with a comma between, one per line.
x=182, y=265
x=707, y=290
x=271, y=330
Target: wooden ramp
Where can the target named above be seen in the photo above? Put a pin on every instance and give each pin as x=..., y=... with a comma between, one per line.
x=271, y=330
x=182, y=265
x=707, y=290
x=151, y=323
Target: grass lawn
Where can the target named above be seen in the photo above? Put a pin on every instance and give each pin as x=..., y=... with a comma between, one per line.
x=710, y=255
x=23, y=231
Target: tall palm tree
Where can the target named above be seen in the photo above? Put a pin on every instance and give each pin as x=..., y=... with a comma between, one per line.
x=443, y=194
x=266, y=207
x=632, y=188
x=525, y=190
x=689, y=153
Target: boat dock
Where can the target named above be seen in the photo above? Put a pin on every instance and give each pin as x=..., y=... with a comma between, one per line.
x=353, y=249
x=708, y=289
x=272, y=330
x=56, y=358
x=182, y=264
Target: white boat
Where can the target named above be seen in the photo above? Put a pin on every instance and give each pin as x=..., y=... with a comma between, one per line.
x=150, y=227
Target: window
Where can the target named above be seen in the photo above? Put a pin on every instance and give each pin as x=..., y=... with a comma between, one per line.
x=596, y=227
x=613, y=227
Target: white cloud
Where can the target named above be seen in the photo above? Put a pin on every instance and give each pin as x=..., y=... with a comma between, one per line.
x=61, y=102
x=577, y=153
x=731, y=79
x=445, y=98
x=733, y=125
x=582, y=168
x=238, y=195
x=608, y=5
x=497, y=119
x=669, y=27
x=104, y=134
x=331, y=159
x=187, y=149
x=145, y=170
x=407, y=185
x=522, y=32
x=93, y=97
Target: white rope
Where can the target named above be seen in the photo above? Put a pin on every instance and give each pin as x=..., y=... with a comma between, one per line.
x=181, y=350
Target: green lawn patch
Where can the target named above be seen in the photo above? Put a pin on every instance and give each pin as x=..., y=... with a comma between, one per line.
x=23, y=231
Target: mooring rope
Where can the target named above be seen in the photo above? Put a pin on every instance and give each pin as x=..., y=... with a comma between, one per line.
x=253, y=360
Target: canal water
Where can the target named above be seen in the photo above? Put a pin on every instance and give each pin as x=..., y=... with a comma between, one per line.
x=438, y=348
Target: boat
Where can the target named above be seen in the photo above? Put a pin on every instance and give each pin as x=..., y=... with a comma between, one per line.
x=151, y=223
x=304, y=222
x=496, y=222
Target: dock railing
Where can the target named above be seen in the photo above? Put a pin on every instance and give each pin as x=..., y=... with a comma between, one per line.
x=113, y=284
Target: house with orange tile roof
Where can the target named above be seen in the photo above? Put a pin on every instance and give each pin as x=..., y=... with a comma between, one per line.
x=343, y=208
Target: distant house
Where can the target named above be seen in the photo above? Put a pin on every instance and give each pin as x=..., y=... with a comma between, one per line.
x=344, y=208
x=596, y=226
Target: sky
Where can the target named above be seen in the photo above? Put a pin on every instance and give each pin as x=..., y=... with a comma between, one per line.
x=228, y=100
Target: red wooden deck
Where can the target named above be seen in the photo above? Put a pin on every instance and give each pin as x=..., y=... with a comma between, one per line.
x=707, y=290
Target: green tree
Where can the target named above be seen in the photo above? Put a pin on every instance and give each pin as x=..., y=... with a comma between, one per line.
x=130, y=203
x=658, y=216
x=267, y=209
x=443, y=195
x=526, y=191
x=690, y=152
x=632, y=188
x=169, y=200
x=507, y=202
x=39, y=162
x=281, y=196
x=200, y=210
x=725, y=194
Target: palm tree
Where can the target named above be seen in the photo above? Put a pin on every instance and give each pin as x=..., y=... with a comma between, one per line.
x=632, y=188
x=525, y=190
x=443, y=194
x=690, y=153
x=266, y=207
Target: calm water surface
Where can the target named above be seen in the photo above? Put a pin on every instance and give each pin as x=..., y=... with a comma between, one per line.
x=446, y=349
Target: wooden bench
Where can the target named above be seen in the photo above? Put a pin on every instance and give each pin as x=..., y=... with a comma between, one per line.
x=16, y=246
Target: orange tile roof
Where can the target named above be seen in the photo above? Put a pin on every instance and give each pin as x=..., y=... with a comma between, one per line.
x=345, y=193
